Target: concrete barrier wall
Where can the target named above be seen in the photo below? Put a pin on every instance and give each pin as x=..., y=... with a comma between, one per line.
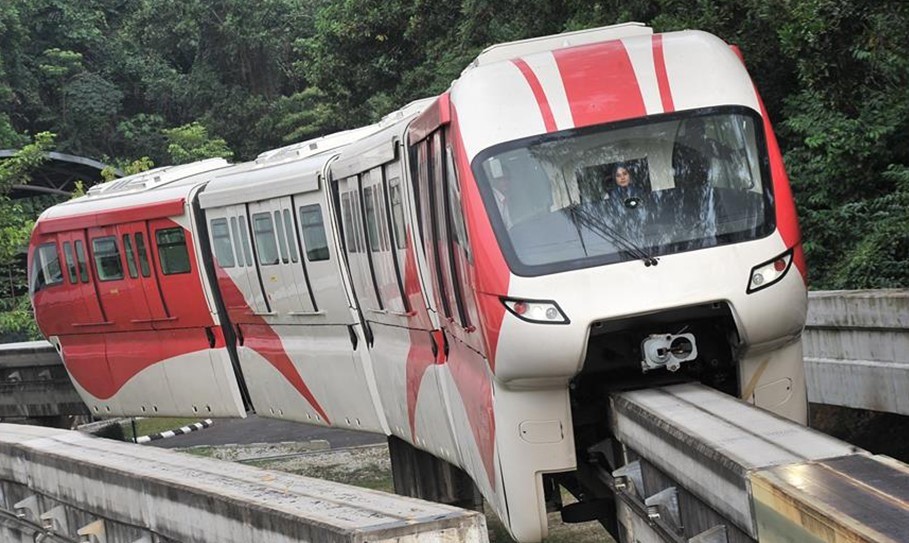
x=149, y=494
x=34, y=384
x=856, y=346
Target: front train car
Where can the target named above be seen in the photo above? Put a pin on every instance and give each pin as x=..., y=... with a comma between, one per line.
x=631, y=224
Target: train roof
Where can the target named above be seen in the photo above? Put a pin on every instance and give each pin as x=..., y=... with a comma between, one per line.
x=153, y=188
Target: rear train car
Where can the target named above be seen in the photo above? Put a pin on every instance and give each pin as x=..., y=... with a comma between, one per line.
x=471, y=276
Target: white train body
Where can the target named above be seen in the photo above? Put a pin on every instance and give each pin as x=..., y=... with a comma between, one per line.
x=465, y=275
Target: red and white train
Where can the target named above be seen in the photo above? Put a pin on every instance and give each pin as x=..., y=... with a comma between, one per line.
x=577, y=213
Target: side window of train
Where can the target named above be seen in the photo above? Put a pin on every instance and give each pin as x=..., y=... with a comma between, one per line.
x=459, y=234
x=397, y=212
x=143, y=255
x=107, y=258
x=172, y=251
x=130, y=256
x=350, y=227
x=291, y=236
x=264, y=232
x=220, y=239
x=47, y=271
x=282, y=236
x=82, y=261
x=70, y=262
x=314, y=240
x=372, y=228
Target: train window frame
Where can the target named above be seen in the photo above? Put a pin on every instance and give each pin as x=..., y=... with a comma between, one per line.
x=372, y=224
x=81, y=260
x=245, y=239
x=70, y=259
x=262, y=236
x=130, y=257
x=350, y=237
x=40, y=268
x=291, y=235
x=214, y=226
x=142, y=252
x=108, y=256
x=398, y=225
x=282, y=237
x=319, y=228
x=164, y=258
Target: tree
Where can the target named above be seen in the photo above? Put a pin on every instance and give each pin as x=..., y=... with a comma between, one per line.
x=191, y=142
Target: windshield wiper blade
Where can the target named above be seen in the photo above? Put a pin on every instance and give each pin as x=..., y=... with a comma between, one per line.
x=599, y=226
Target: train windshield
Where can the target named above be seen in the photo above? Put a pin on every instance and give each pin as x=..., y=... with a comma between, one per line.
x=611, y=193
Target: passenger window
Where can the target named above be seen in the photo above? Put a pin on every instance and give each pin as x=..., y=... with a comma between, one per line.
x=220, y=234
x=46, y=271
x=143, y=255
x=70, y=262
x=397, y=213
x=350, y=234
x=314, y=232
x=107, y=258
x=282, y=237
x=130, y=257
x=291, y=236
x=244, y=235
x=371, y=228
x=454, y=206
x=172, y=251
x=383, y=226
x=82, y=262
x=264, y=231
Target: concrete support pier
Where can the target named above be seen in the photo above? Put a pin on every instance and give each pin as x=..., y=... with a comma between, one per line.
x=73, y=487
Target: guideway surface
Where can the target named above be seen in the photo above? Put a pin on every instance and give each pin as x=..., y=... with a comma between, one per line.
x=139, y=491
x=739, y=473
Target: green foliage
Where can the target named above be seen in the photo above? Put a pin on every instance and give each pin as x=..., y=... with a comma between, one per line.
x=191, y=142
x=16, y=321
x=180, y=80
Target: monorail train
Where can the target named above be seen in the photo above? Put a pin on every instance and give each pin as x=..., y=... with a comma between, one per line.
x=578, y=213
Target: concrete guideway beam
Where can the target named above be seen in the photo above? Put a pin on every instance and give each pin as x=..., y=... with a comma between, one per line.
x=766, y=478
x=180, y=497
x=856, y=346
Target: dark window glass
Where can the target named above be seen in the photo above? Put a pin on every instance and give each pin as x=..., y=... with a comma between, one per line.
x=244, y=235
x=264, y=231
x=82, y=262
x=380, y=210
x=282, y=237
x=107, y=258
x=220, y=235
x=314, y=240
x=130, y=257
x=172, y=251
x=46, y=269
x=143, y=255
x=349, y=226
x=70, y=262
x=397, y=213
x=291, y=236
x=236, y=239
x=371, y=227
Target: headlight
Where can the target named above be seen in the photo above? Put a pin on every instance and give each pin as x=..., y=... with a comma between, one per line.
x=770, y=272
x=541, y=311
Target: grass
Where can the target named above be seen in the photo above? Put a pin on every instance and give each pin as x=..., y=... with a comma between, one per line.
x=145, y=427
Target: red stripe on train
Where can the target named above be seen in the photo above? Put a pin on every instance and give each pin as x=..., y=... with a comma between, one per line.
x=659, y=62
x=542, y=101
x=600, y=83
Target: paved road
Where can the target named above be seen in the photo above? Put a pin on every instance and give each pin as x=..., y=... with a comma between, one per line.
x=254, y=429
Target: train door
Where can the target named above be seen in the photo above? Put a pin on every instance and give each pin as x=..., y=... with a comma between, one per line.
x=283, y=274
x=230, y=228
x=379, y=242
x=358, y=257
x=122, y=297
x=139, y=267
x=87, y=312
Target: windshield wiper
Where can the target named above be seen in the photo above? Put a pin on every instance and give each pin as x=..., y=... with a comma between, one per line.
x=598, y=225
